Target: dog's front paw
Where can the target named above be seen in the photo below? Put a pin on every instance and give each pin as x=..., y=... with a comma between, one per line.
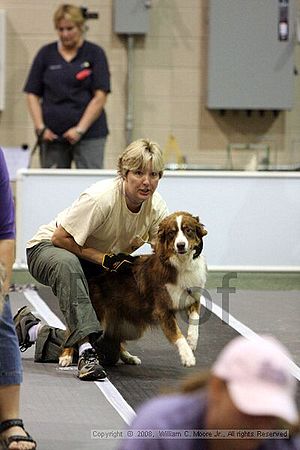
x=193, y=330
x=66, y=358
x=188, y=360
x=127, y=358
x=65, y=361
x=186, y=355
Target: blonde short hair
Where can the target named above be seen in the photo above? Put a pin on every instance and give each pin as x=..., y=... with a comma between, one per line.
x=69, y=12
x=137, y=156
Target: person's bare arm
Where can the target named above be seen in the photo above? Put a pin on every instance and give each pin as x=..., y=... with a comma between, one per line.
x=7, y=257
x=61, y=238
x=35, y=109
x=91, y=113
x=34, y=106
x=93, y=110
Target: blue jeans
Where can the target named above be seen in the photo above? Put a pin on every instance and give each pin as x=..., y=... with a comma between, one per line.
x=10, y=357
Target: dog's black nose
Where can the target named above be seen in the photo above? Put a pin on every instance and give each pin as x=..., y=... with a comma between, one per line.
x=180, y=247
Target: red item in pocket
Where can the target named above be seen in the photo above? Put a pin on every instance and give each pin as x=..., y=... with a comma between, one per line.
x=83, y=74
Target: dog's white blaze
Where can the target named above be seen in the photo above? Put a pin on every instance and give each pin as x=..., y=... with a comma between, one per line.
x=180, y=238
x=185, y=352
x=193, y=330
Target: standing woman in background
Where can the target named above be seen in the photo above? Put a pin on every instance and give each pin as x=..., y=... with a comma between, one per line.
x=66, y=91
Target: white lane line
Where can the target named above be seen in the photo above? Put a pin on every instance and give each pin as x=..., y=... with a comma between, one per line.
x=107, y=388
x=242, y=329
x=116, y=400
x=43, y=309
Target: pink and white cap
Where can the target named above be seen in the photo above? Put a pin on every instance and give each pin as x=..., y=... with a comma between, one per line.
x=258, y=377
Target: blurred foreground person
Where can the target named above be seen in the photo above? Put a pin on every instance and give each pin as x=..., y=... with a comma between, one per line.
x=248, y=404
x=12, y=433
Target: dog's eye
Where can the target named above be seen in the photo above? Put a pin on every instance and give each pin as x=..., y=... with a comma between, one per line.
x=189, y=231
x=171, y=234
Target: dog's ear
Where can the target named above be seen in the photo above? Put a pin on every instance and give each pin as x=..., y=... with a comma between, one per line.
x=159, y=242
x=159, y=238
x=198, y=249
x=203, y=230
x=200, y=230
x=160, y=234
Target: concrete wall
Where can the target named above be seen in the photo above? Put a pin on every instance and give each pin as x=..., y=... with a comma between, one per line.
x=169, y=87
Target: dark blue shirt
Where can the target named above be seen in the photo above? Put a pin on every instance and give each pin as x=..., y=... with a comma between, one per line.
x=7, y=218
x=66, y=88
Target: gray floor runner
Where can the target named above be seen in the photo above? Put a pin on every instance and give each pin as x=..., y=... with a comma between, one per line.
x=161, y=368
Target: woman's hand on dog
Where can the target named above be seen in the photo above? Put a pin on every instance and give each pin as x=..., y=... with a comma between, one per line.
x=119, y=262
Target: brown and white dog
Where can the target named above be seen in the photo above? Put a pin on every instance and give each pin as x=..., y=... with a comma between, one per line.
x=159, y=285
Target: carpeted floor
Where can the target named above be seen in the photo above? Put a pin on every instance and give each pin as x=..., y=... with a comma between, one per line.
x=60, y=411
x=262, y=311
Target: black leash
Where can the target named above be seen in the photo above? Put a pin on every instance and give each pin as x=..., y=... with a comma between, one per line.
x=37, y=144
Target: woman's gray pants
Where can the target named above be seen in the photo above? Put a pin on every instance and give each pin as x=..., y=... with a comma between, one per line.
x=62, y=271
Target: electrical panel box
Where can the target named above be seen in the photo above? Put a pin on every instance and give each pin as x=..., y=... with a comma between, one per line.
x=251, y=54
x=2, y=58
x=131, y=16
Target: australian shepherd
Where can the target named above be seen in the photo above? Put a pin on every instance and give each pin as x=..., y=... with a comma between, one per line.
x=158, y=286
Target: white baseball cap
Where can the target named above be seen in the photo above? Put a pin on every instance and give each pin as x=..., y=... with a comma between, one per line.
x=258, y=377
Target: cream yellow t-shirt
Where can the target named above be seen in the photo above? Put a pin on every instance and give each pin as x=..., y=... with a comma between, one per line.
x=100, y=219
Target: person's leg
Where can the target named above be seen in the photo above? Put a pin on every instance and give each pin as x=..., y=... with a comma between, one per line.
x=62, y=271
x=11, y=365
x=55, y=155
x=89, y=153
x=30, y=330
x=10, y=379
x=50, y=340
x=49, y=344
